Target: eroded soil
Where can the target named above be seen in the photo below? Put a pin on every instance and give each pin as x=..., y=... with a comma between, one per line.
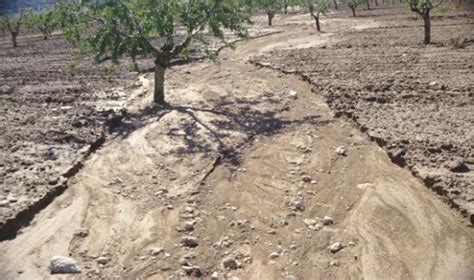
x=416, y=101
x=234, y=177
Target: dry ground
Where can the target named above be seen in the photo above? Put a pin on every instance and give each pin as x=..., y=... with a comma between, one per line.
x=232, y=161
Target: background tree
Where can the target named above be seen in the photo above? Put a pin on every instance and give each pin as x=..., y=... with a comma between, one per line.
x=316, y=8
x=13, y=23
x=150, y=27
x=45, y=22
x=270, y=7
x=353, y=4
x=423, y=8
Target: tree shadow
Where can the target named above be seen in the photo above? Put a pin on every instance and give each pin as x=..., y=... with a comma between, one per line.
x=228, y=118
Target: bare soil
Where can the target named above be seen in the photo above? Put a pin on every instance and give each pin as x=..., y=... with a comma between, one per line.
x=416, y=101
x=234, y=177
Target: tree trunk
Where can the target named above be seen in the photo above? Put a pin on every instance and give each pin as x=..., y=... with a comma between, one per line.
x=368, y=4
x=270, y=18
x=318, y=26
x=335, y=4
x=353, y=11
x=159, y=91
x=427, y=20
x=14, y=35
x=286, y=9
x=376, y=2
x=45, y=37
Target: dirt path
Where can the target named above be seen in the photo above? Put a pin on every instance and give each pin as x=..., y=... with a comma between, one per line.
x=232, y=162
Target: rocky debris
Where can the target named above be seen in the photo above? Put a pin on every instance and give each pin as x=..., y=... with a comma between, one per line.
x=4, y=203
x=291, y=277
x=335, y=247
x=299, y=204
x=215, y=275
x=341, y=150
x=328, y=221
x=457, y=165
x=81, y=232
x=306, y=179
x=155, y=251
x=292, y=94
x=192, y=269
x=189, y=225
x=335, y=263
x=63, y=265
x=230, y=263
x=103, y=260
x=274, y=255
x=190, y=241
x=313, y=224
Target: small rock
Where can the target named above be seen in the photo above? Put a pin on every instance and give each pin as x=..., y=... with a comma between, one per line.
x=81, y=232
x=434, y=83
x=187, y=269
x=103, y=260
x=310, y=222
x=336, y=247
x=215, y=275
x=328, y=221
x=293, y=94
x=341, y=150
x=299, y=205
x=4, y=203
x=306, y=179
x=189, y=225
x=63, y=265
x=457, y=165
x=12, y=199
x=274, y=255
x=230, y=263
x=334, y=263
x=190, y=241
x=291, y=277
x=155, y=251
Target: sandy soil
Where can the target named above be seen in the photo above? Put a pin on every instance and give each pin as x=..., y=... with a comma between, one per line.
x=244, y=161
x=416, y=101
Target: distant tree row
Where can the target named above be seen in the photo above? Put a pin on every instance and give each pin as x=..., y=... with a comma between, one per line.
x=129, y=28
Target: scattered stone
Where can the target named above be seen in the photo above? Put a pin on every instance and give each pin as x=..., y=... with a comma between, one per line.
x=81, y=232
x=4, y=203
x=189, y=225
x=63, y=265
x=169, y=207
x=293, y=94
x=334, y=263
x=189, y=241
x=187, y=269
x=328, y=221
x=12, y=199
x=274, y=255
x=291, y=277
x=457, y=165
x=103, y=260
x=352, y=244
x=341, y=150
x=336, y=247
x=215, y=275
x=310, y=222
x=299, y=204
x=230, y=263
x=306, y=179
x=155, y=251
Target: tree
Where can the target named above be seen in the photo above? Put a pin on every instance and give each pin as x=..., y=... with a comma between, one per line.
x=45, y=22
x=353, y=5
x=270, y=7
x=316, y=8
x=13, y=24
x=150, y=27
x=423, y=8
